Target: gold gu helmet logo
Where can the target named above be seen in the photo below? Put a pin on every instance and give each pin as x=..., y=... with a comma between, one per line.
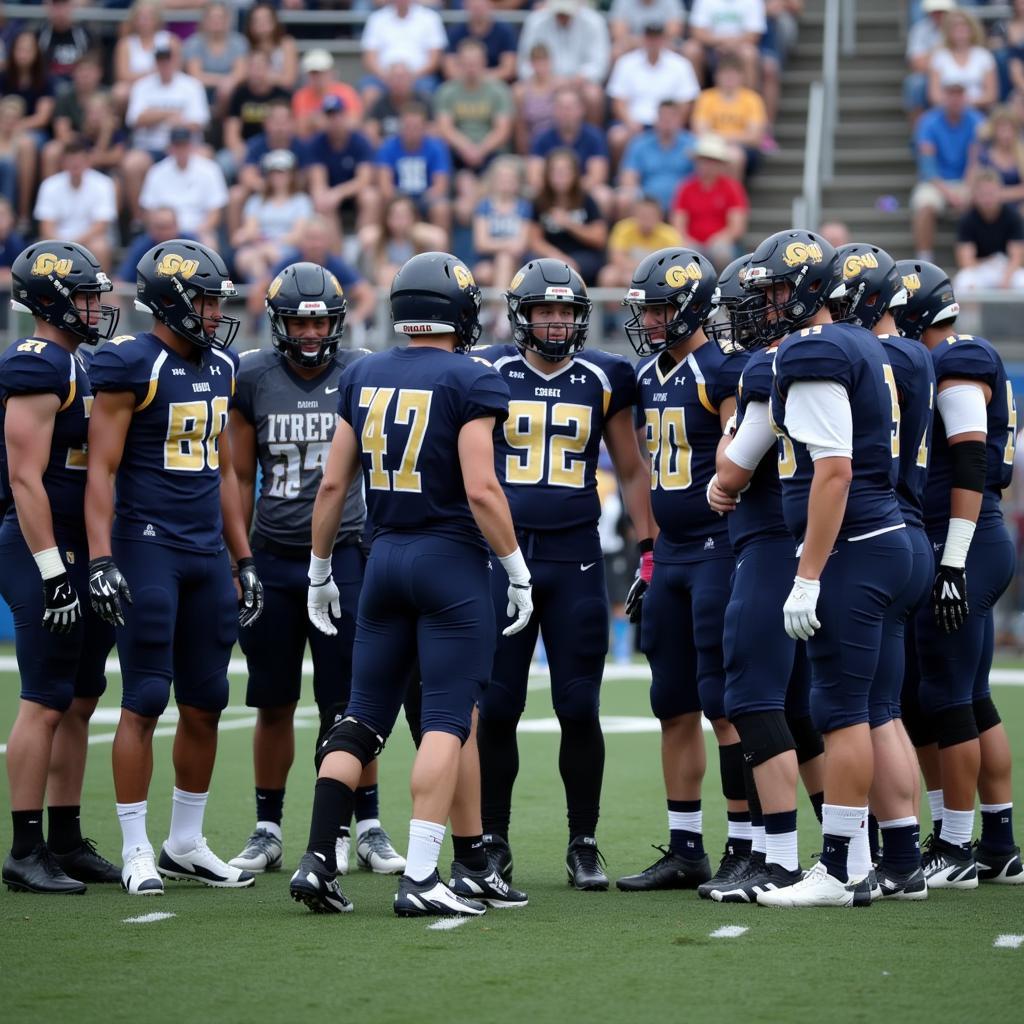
x=172, y=264
x=857, y=262
x=799, y=253
x=46, y=263
x=677, y=276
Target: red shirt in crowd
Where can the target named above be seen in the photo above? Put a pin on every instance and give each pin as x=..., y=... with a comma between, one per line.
x=707, y=207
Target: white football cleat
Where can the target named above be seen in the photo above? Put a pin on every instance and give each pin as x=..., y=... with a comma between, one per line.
x=201, y=864
x=376, y=853
x=263, y=852
x=819, y=889
x=139, y=876
x=342, y=850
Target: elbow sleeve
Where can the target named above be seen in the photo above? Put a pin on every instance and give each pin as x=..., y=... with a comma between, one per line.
x=970, y=465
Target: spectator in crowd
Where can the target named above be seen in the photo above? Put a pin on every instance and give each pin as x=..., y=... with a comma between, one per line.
x=266, y=35
x=69, y=109
x=272, y=222
x=780, y=36
x=656, y=161
x=718, y=27
x=628, y=20
x=387, y=246
x=735, y=113
x=942, y=140
x=1011, y=58
x=990, y=239
x=498, y=38
x=247, y=110
x=385, y=114
x=78, y=204
x=142, y=35
x=1000, y=147
x=216, y=55
x=501, y=224
x=473, y=112
x=923, y=39
x=191, y=184
x=835, y=232
x=577, y=39
x=710, y=208
x=632, y=239
x=62, y=41
x=965, y=59
x=12, y=108
x=157, y=104
x=415, y=164
x=570, y=131
x=402, y=32
x=535, y=99
x=11, y=244
x=308, y=102
x=643, y=78
x=340, y=164
x=102, y=132
x=568, y=224
x=160, y=225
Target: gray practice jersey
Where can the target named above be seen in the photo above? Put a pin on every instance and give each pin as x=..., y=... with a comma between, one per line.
x=294, y=421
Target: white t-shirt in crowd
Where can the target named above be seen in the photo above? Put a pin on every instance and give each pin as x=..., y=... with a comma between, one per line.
x=729, y=17
x=75, y=210
x=407, y=40
x=970, y=75
x=182, y=93
x=192, y=192
x=277, y=220
x=643, y=85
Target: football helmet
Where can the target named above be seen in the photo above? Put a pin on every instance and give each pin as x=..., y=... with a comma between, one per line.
x=930, y=298
x=435, y=293
x=733, y=326
x=680, y=279
x=871, y=283
x=45, y=278
x=169, y=279
x=306, y=290
x=545, y=281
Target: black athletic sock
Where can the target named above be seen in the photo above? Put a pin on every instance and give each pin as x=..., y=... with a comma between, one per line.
x=269, y=805
x=469, y=852
x=730, y=765
x=332, y=802
x=64, y=833
x=834, y=851
x=817, y=802
x=873, y=838
x=367, y=804
x=581, y=764
x=499, y=766
x=28, y=832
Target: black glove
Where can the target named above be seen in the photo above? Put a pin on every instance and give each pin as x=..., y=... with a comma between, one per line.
x=643, y=580
x=949, y=598
x=107, y=589
x=62, y=609
x=251, y=605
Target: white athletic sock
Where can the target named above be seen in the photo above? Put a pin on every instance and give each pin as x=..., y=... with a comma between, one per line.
x=686, y=821
x=272, y=827
x=995, y=808
x=845, y=822
x=858, y=859
x=957, y=826
x=186, y=820
x=365, y=825
x=897, y=823
x=425, y=839
x=758, y=839
x=935, y=804
x=782, y=849
x=740, y=830
x=133, y=826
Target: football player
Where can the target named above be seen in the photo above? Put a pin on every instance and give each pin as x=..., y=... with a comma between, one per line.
x=971, y=463
x=157, y=428
x=282, y=418
x=61, y=647
x=687, y=388
x=835, y=405
x=419, y=419
x=564, y=400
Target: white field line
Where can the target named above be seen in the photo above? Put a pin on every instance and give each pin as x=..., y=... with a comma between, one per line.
x=148, y=918
x=728, y=931
x=1009, y=942
x=446, y=924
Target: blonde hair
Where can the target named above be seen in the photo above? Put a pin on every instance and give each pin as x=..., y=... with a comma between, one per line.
x=987, y=132
x=128, y=25
x=508, y=161
x=977, y=35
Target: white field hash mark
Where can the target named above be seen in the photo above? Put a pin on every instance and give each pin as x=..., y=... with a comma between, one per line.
x=148, y=918
x=446, y=924
x=729, y=931
x=1009, y=942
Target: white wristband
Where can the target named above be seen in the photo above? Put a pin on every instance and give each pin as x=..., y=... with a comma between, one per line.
x=515, y=566
x=319, y=569
x=959, y=534
x=49, y=562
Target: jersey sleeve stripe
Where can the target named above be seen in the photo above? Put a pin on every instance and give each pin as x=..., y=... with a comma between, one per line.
x=72, y=386
x=702, y=389
x=154, y=379
x=606, y=384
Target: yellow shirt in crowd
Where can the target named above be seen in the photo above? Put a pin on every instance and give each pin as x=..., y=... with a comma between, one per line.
x=626, y=237
x=730, y=118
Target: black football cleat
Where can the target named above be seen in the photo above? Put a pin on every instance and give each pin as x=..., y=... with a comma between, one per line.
x=485, y=886
x=671, y=871
x=39, y=872
x=585, y=865
x=86, y=864
x=1002, y=868
x=948, y=866
x=759, y=877
x=897, y=885
x=315, y=886
x=499, y=855
x=432, y=898
x=731, y=868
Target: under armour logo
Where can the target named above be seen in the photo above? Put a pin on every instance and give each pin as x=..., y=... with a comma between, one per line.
x=678, y=380
x=215, y=370
x=581, y=379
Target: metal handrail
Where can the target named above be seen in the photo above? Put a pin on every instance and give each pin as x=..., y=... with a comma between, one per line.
x=807, y=205
x=830, y=80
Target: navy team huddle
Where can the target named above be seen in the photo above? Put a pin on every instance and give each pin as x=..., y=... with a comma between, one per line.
x=811, y=458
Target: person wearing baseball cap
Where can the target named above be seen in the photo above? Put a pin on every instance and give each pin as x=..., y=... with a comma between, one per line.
x=308, y=102
x=340, y=163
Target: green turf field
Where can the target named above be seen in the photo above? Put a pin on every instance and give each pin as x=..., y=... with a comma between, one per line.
x=243, y=956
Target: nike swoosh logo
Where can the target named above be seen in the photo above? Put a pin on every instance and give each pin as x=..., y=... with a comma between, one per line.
x=584, y=568
x=329, y=391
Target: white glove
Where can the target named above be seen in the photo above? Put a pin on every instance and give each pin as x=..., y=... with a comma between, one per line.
x=322, y=598
x=520, y=591
x=798, y=612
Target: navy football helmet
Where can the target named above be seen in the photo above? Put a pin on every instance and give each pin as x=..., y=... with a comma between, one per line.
x=435, y=293
x=304, y=290
x=46, y=277
x=930, y=298
x=169, y=279
x=683, y=281
x=733, y=326
x=872, y=285
x=546, y=281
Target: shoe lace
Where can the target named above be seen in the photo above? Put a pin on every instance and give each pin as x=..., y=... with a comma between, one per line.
x=379, y=842
x=90, y=847
x=590, y=857
x=49, y=859
x=262, y=841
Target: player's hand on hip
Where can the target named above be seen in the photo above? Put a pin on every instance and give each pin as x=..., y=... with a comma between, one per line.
x=949, y=598
x=520, y=604
x=108, y=590
x=800, y=610
x=642, y=581
x=322, y=601
x=250, y=606
x=60, y=602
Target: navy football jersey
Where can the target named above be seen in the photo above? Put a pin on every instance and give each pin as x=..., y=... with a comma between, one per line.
x=758, y=515
x=407, y=406
x=964, y=357
x=32, y=367
x=294, y=420
x=915, y=386
x=677, y=408
x=546, y=454
x=168, y=483
x=850, y=356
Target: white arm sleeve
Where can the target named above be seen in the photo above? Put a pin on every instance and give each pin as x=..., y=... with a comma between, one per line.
x=963, y=410
x=754, y=438
x=818, y=415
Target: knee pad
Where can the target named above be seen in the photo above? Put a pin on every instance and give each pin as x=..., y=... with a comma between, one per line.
x=985, y=714
x=150, y=698
x=353, y=738
x=806, y=738
x=922, y=728
x=764, y=735
x=956, y=725
x=578, y=702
